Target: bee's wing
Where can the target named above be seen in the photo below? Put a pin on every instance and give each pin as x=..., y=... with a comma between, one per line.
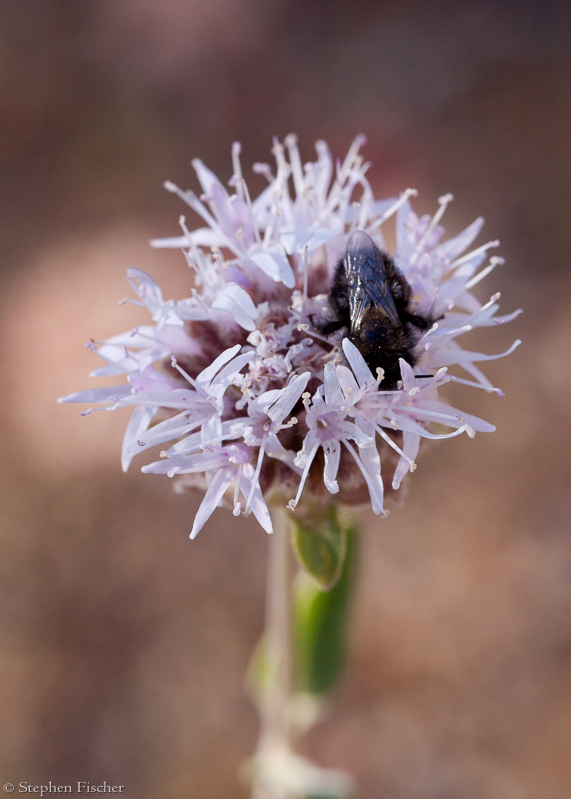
x=367, y=280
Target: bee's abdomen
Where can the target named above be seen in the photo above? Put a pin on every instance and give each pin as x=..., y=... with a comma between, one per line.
x=382, y=345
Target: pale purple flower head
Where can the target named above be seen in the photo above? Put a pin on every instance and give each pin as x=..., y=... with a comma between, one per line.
x=252, y=399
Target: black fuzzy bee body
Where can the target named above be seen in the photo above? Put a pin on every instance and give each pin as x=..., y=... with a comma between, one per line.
x=372, y=299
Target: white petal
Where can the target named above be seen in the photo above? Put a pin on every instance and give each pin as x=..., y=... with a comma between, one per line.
x=148, y=290
x=434, y=406
x=463, y=356
x=216, y=490
x=189, y=464
x=348, y=384
x=288, y=398
x=456, y=245
x=358, y=364
x=309, y=455
x=211, y=431
x=238, y=303
x=332, y=456
x=201, y=237
x=407, y=374
x=257, y=503
x=206, y=177
x=275, y=449
x=411, y=443
x=208, y=374
x=357, y=434
x=178, y=399
x=369, y=463
x=295, y=239
x=227, y=374
x=137, y=425
x=275, y=264
x=333, y=395
x=98, y=395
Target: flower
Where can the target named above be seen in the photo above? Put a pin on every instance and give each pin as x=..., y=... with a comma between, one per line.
x=255, y=400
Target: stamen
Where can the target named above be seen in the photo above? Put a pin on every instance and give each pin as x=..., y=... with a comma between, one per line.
x=392, y=209
x=477, y=251
x=175, y=365
x=190, y=198
x=494, y=261
x=186, y=231
x=200, y=301
x=444, y=201
x=295, y=161
x=263, y=169
x=490, y=389
x=303, y=478
x=251, y=210
x=354, y=222
x=359, y=141
x=268, y=233
x=395, y=446
x=236, y=150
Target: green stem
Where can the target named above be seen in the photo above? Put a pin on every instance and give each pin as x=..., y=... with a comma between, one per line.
x=275, y=727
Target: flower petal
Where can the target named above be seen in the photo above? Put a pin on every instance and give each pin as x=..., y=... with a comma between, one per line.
x=216, y=490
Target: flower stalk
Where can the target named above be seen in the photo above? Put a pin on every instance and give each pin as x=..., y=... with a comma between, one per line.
x=275, y=739
x=299, y=661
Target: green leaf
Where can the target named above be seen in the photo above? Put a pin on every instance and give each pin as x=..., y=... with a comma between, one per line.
x=320, y=545
x=320, y=625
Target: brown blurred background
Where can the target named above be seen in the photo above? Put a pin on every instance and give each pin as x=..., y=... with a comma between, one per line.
x=123, y=645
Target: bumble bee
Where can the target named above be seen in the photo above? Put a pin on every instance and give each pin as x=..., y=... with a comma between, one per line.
x=372, y=299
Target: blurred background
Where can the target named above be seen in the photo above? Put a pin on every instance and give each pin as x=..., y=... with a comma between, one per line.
x=123, y=644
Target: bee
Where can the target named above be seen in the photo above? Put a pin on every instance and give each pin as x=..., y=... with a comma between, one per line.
x=372, y=299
